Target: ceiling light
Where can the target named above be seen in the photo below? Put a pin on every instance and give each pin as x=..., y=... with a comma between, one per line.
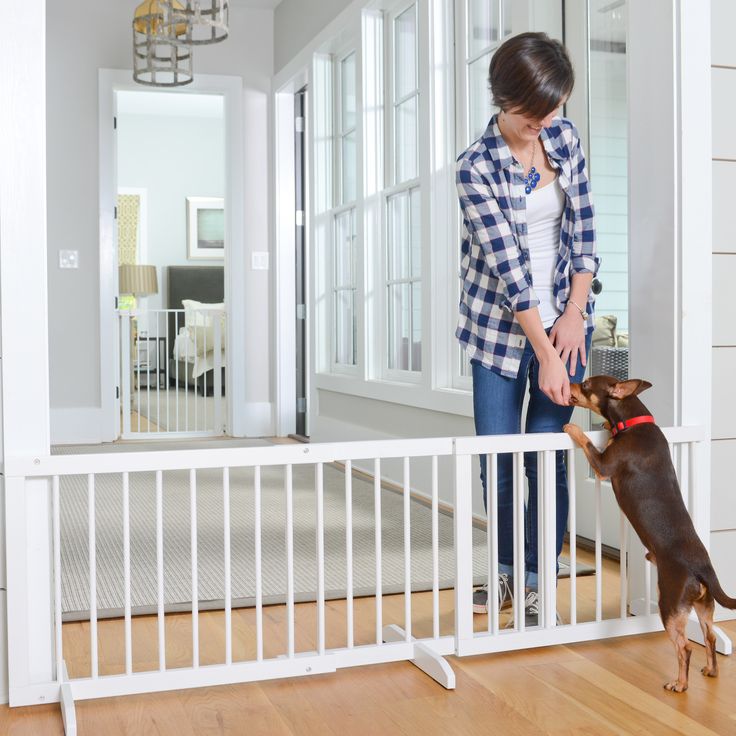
x=206, y=21
x=161, y=56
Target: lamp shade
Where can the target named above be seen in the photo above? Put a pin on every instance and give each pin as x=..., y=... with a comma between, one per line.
x=137, y=280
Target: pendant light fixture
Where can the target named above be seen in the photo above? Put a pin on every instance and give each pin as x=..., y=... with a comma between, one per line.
x=206, y=20
x=161, y=56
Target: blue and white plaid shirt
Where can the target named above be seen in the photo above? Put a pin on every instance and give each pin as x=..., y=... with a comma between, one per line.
x=496, y=281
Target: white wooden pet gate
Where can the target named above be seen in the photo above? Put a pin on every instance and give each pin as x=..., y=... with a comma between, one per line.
x=413, y=638
x=172, y=373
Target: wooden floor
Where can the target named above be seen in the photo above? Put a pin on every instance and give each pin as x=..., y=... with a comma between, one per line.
x=610, y=687
x=140, y=423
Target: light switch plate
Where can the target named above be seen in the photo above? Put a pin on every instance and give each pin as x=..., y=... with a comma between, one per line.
x=259, y=261
x=68, y=259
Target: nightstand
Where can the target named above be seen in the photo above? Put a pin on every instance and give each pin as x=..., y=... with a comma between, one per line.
x=144, y=369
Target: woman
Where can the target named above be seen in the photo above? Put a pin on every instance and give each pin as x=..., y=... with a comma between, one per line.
x=528, y=260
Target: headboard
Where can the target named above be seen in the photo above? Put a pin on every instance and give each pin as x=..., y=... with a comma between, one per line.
x=204, y=284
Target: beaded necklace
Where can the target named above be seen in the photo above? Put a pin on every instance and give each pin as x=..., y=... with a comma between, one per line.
x=532, y=178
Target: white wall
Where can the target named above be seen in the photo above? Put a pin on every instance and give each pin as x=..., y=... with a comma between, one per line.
x=297, y=22
x=723, y=509
x=74, y=55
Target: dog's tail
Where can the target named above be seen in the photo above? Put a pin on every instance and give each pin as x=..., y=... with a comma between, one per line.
x=709, y=578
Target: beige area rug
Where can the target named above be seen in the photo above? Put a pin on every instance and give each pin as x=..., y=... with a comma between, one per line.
x=210, y=540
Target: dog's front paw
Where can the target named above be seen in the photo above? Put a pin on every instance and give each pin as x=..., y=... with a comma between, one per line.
x=676, y=686
x=575, y=432
x=710, y=671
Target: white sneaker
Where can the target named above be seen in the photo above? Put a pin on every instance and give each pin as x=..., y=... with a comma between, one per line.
x=531, y=609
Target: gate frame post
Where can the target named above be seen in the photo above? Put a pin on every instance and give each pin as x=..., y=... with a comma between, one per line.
x=463, y=529
x=25, y=365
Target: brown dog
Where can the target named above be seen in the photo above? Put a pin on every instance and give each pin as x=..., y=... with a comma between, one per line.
x=637, y=460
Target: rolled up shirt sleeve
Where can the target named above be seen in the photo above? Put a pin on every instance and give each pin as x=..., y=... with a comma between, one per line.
x=485, y=223
x=584, y=258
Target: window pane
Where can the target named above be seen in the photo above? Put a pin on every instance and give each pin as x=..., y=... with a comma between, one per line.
x=416, y=326
x=345, y=327
x=607, y=166
x=415, y=234
x=405, y=53
x=399, y=320
x=347, y=93
x=405, y=144
x=344, y=250
x=404, y=265
x=465, y=367
x=483, y=21
x=349, y=168
x=399, y=263
x=344, y=288
x=479, y=97
x=607, y=157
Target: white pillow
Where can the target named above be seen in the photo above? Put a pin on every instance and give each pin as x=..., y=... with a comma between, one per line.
x=195, y=313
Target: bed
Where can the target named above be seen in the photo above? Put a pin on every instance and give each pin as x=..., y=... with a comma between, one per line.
x=198, y=290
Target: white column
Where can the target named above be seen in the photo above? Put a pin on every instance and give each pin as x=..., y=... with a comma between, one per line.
x=670, y=286
x=24, y=350
x=696, y=222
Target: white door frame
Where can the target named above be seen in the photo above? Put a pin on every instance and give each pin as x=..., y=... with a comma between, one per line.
x=284, y=271
x=231, y=88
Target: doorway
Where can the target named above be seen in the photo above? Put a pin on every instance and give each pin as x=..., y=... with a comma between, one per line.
x=171, y=272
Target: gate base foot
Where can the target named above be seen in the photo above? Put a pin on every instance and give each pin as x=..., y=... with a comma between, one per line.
x=695, y=633
x=428, y=661
x=66, y=701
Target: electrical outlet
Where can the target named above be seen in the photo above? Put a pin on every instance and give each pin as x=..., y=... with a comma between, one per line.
x=259, y=261
x=68, y=259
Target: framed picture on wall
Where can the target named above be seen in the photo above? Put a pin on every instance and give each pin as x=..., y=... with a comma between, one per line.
x=205, y=228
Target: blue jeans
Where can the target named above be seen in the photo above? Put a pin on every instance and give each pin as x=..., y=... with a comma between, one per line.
x=497, y=407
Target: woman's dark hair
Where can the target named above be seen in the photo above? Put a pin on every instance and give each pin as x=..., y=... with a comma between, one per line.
x=530, y=74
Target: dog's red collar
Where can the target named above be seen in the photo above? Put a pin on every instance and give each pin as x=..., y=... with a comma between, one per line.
x=621, y=426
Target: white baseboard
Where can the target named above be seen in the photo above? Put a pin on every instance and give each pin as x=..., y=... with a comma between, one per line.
x=76, y=426
x=3, y=647
x=327, y=429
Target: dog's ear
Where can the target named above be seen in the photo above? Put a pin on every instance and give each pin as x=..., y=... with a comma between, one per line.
x=632, y=387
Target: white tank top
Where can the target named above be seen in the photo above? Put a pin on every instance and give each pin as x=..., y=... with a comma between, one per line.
x=544, y=209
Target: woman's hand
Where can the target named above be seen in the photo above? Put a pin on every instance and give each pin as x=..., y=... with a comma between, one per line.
x=553, y=380
x=568, y=338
